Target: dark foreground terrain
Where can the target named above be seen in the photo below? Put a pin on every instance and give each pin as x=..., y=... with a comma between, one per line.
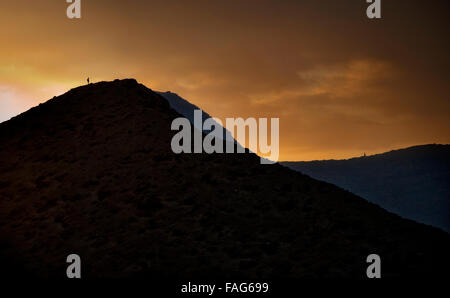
x=91, y=172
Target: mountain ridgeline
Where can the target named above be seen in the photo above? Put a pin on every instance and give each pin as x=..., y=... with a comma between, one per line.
x=411, y=182
x=91, y=172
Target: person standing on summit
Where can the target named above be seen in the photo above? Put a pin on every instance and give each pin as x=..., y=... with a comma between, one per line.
x=88, y=80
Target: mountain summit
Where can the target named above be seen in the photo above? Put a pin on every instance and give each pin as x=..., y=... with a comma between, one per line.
x=91, y=172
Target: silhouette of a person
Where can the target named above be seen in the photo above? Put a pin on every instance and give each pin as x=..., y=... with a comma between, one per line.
x=88, y=80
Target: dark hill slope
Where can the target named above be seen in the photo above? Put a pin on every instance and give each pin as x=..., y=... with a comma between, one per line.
x=91, y=172
x=412, y=182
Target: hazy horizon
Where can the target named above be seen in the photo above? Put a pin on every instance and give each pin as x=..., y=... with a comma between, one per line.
x=342, y=158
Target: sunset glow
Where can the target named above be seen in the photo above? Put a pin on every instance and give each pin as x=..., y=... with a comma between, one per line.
x=341, y=84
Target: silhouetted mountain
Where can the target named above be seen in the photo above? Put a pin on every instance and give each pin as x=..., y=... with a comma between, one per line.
x=91, y=172
x=411, y=182
x=183, y=107
x=186, y=109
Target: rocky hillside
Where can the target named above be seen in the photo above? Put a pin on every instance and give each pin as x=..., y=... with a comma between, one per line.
x=91, y=172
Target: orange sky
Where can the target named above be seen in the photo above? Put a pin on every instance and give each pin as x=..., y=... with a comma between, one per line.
x=341, y=84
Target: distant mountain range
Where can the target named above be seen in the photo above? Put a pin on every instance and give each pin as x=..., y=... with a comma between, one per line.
x=412, y=182
x=92, y=173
